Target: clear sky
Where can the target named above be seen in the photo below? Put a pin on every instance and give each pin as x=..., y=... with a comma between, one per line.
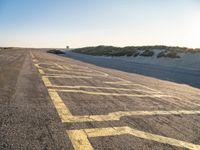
x=78, y=23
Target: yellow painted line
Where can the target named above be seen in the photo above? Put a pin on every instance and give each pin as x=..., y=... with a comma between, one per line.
x=59, y=105
x=41, y=71
x=110, y=94
x=37, y=65
x=68, y=71
x=59, y=66
x=35, y=60
x=115, y=116
x=61, y=108
x=100, y=72
x=147, y=87
x=43, y=63
x=67, y=76
x=90, y=74
x=78, y=66
x=65, y=67
x=122, y=80
x=82, y=70
x=46, y=81
x=77, y=73
x=122, y=83
x=55, y=70
x=96, y=87
x=79, y=142
x=93, y=70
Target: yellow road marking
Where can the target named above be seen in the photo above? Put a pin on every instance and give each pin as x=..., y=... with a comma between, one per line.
x=78, y=66
x=90, y=74
x=37, y=65
x=41, y=71
x=115, y=116
x=65, y=67
x=61, y=108
x=54, y=70
x=123, y=83
x=35, y=60
x=59, y=104
x=109, y=94
x=67, y=76
x=78, y=73
x=96, y=87
x=67, y=71
x=59, y=66
x=46, y=81
x=83, y=73
x=80, y=140
x=81, y=70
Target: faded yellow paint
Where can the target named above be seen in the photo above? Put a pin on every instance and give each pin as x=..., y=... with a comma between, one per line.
x=46, y=81
x=74, y=73
x=78, y=66
x=126, y=83
x=98, y=73
x=35, y=60
x=37, y=65
x=104, y=88
x=59, y=105
x=59, y=66
x=67, y=71
x=65, y=67
x=54, y=70
x=67, y=76
x=79, y=142
x=111, y=94
x=90, y=74
x=114, y=116
x=41, y=71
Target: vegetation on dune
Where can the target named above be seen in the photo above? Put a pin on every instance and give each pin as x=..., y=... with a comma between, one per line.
x=55, y=51
x=6, y=48
x=168, y=54
x=147, y=53
x=135, y=51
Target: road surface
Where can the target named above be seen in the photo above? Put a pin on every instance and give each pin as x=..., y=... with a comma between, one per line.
x=53, y=102
x=187, y=75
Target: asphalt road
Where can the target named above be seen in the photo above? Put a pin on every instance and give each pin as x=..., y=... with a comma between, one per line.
x=189, y=76
x=53, y=102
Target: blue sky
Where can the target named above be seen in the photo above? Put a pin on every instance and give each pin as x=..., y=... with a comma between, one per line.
x=78, y=23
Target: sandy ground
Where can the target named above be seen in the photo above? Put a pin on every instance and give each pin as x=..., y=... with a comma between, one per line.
x=53, y=102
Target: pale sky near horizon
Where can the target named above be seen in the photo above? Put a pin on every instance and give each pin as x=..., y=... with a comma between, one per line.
x=79, y=23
